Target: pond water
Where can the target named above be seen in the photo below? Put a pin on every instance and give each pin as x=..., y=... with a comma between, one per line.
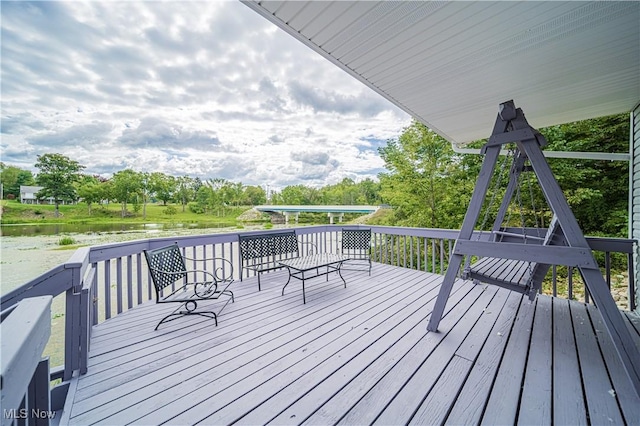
x=27, y=251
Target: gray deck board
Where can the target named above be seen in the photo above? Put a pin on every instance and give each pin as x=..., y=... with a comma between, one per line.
x=537, y=388
x=602, y=406
x=340, y=366
x=436, y=405
x=414, y=377
x=469, y=407
x=621, y=385
x=245, y=343
x=568, y=398
x=331, y=411
x=503, y=401
x=343, y=353
x=357, y=355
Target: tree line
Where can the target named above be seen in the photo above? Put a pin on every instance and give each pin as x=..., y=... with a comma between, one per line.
x=63, y=181
x=426, y=183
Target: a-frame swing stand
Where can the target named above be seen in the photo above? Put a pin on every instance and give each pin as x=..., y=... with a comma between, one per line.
x=521, y=266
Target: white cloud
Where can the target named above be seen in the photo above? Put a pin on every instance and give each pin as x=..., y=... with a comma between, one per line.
x=208, y=89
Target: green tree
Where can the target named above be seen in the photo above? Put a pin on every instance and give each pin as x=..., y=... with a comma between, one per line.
x=125, y=186
x=185, y=190
x=419, y=183
x=205, y=198
x=299, y=195
x=91, y=190
x=234, y=192
x=57, y=175
x=254, y=195
x=143, y=193
x=163, y=186
x=12, y=178
x=369, y=192
x=596, y=190
x=218, y=194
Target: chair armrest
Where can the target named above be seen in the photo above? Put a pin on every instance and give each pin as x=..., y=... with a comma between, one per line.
x=218, y=273
x=223, y=273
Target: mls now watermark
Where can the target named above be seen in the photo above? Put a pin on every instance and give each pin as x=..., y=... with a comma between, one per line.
x=24, y=413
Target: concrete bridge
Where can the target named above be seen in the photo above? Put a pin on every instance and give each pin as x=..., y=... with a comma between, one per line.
x=332, y=211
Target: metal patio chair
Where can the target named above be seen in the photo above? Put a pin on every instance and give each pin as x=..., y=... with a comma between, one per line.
x=174, y=283
x=356, y=244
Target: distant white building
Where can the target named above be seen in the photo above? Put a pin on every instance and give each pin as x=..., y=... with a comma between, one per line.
x=28, y=195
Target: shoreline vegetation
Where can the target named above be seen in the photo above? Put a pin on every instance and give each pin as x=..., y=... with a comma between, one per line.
x=15, y=213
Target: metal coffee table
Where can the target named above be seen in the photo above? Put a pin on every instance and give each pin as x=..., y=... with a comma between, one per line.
x=312, y=266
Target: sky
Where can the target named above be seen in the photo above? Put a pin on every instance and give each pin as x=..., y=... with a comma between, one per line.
x=204, y=89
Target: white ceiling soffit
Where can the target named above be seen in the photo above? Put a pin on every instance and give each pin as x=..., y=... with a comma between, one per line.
x=450, y=63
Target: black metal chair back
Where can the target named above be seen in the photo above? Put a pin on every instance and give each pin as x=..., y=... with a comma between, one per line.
x=166, y=266
x=356, y=244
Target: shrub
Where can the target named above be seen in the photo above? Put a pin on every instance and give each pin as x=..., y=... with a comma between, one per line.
x=170, y=210
x=196, y=208
x=66, y=241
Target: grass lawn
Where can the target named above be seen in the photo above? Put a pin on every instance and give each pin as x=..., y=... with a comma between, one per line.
x=14, y=212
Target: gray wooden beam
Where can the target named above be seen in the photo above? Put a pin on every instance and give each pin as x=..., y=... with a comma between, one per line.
x=552, y=255
x=471, y=217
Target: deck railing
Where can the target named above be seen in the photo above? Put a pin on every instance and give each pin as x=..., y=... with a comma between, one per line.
x=100, y=282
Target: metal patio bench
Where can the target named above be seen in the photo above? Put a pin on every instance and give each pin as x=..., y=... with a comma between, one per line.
x=174, y=283
x=262, y=252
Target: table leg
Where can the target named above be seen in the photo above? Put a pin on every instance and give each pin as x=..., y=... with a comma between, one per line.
x=340, y=273
x=304, y=298
x=288, y=269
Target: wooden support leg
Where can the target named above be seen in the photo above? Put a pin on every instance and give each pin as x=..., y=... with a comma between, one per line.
x=616, y=327
x=470, y=218
x=445, y=290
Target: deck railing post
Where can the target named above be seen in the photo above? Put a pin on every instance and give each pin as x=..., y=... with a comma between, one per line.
x=38, y=396
x=94, y=294
x=85, y=318
x=69, y=336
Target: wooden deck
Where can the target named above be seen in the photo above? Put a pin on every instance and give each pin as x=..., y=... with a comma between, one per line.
x=358, y=355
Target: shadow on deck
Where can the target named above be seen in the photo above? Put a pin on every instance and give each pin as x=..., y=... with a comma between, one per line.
x=358, y=355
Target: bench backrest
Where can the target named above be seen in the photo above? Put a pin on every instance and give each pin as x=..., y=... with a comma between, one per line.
x=269, y=244
x=166, y=266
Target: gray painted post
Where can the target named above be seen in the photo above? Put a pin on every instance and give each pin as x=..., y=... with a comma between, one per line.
x=68, y=335
x=470, y=219
x=39, y=401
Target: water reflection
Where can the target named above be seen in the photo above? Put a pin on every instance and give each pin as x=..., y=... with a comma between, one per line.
x=23, y=230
